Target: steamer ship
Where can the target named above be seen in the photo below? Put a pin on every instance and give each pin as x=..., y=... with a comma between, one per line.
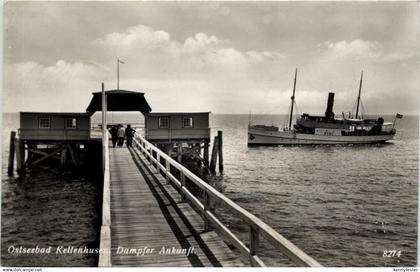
x=325, y=129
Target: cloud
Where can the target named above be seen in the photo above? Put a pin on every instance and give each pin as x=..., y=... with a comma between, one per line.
x=62, y=85
x=360, y=50
x=399, y=56
x=265, y=55
x=354, y=50
x=204, y=72
x=144, y=44
x=135, y=37
x=201, y=64
x=199, y=42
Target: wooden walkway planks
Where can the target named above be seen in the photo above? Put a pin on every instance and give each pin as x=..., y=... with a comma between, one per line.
x=147, y=212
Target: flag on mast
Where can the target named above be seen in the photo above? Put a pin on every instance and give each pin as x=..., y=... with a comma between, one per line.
x=399, y=116
x=120, y=61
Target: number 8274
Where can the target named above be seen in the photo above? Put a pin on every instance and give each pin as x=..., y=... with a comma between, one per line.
x=391, y=253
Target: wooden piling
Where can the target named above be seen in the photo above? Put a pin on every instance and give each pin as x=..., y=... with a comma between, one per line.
x=206, y=154
x=47, y=155
x=18, y=152
x=22, y=155
x=254, y=240
x=31, y=150
x=64, y=156
x=214, y=155
x=157, y=163
x=168, y=170
x=179, y=152
x=220, y=149
x=167, y=148
x=11, y=153
x=73, y=155
x=183, y=184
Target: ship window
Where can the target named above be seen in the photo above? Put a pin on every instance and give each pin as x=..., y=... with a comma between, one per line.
x=44, y=122
x=187, y=122
x=71, y=123
x=163, y=122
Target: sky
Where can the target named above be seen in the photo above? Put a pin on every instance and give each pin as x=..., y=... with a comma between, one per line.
x=223, y=57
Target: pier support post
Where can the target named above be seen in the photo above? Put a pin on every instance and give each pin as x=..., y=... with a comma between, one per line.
x=167, y=148
x=179, y=152
x=150, y=155
x=182, y=178
x=31, y=154
x=157, y=163
x=20, y=157
x=254, y=241
x=168, y=170
x=144, y=150
x=214, y=155
x=206, y=154
x=11, y=153
x=220, y=149
x=64, y=156
x=72, y=154
x=45, y=155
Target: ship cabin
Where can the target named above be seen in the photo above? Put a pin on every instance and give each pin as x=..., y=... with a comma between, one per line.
x=54, y=126
x=166, y=127
x=330, y=126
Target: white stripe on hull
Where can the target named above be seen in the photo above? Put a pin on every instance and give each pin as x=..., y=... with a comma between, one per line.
x=260, y=137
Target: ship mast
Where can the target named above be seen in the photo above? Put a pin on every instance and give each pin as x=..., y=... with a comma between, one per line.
x=293, y=101
x=358, y=98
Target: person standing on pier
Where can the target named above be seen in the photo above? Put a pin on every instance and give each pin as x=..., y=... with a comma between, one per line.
x=114, y=137
x=120, y=135
x=129, y=133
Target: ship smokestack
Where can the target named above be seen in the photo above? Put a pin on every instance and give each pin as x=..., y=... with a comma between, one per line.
x=329, y=114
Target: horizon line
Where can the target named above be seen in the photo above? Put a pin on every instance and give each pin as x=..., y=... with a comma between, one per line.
x=219, y=113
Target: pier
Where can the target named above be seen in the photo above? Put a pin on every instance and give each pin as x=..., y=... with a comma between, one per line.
x=155, y=212
x=146, y=207
x=148, y=214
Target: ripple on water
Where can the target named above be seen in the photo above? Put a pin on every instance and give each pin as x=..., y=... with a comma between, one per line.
x=45, y=210
x=343, y=205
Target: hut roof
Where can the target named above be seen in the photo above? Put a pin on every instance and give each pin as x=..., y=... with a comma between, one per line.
x=176, y=113
x=82, y=114
x=120, y=100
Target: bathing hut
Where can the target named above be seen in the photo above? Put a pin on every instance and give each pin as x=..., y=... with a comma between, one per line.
x=45, y=136
x=181, y=133
x=54, y=126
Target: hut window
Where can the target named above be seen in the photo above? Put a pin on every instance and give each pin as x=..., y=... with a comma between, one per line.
x=44, y=122
x=71, y=123
x=187, y=122
x=163, y=122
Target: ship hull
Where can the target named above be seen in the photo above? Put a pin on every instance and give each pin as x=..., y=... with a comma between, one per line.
x=261, y=137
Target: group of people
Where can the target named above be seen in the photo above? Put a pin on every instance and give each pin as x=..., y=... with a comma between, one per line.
x=119, y=133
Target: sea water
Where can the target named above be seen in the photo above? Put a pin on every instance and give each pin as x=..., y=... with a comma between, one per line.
x=342, y=205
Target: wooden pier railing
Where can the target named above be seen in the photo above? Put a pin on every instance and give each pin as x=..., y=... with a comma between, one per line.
x=105, y=240
x=139, y=126
x=257, y=228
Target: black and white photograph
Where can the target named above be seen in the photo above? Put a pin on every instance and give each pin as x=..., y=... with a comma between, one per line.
x=210, y=134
